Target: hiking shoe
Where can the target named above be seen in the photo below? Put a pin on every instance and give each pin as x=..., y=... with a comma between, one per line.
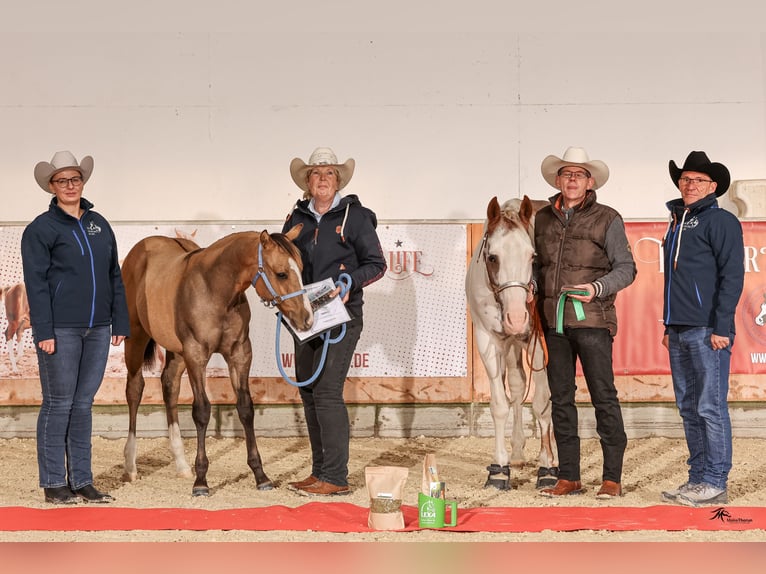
x=672, y=495
x=702, y=494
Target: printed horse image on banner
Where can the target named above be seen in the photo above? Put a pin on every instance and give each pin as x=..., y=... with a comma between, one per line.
x=17, y=315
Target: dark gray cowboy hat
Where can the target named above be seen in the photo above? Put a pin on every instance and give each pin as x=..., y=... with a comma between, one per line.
x=44, y=170
x=698, y=161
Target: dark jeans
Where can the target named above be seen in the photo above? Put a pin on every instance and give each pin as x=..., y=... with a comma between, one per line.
x=594, y=349
x=323, y=404
x=701, y=385
x=70, y=378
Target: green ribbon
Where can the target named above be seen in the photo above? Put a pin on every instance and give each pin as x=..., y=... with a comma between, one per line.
x=577, y=304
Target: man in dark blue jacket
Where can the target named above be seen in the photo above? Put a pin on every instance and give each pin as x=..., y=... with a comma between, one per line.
x=704, y=274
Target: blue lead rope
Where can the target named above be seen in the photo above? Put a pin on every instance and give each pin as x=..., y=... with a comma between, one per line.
x=344, y=282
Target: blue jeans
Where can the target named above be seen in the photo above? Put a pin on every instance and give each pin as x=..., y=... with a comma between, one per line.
x=593, y=346
x=701, y=385
x=70, y=378
x=323, y=405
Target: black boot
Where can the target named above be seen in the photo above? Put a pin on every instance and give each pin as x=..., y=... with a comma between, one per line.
x=89, y=494
x=60, y=495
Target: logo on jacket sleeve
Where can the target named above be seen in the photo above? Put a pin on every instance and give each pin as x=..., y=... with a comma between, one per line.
x=92, y=228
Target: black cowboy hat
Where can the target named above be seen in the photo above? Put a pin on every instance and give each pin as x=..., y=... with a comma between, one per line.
x=698, y=161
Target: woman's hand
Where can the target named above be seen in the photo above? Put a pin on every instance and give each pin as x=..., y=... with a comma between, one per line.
x=117, y=339
x=335, y=292
x=47, y=346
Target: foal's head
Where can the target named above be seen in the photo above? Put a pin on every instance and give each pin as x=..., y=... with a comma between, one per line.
x=508, y=255
x=282, y=264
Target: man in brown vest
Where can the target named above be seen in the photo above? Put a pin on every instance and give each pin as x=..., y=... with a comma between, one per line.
x=583, y=260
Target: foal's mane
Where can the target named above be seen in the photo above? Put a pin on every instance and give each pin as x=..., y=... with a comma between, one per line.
x=282, y=240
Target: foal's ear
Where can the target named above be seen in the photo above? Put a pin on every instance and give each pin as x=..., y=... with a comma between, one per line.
x=493, y=209
x=294, y=232
x=526, y=211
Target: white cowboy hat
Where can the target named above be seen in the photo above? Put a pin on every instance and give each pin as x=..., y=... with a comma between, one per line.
x=62, y=160
x=321, y=156
x=574, y=156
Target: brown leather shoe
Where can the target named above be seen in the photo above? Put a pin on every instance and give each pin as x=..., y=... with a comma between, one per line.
x=301, y=483
x=563, y=488
x=609, y=489
x=321, y=488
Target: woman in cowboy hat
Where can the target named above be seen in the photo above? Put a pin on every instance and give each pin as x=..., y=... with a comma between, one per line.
x=77, y=306
x=704, y=275
x=584, y=255
x=338, y=236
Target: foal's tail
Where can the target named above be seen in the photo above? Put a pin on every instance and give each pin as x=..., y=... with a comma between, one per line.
x=150, y=354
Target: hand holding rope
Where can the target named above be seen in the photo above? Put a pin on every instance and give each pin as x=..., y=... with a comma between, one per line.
x=344, y=282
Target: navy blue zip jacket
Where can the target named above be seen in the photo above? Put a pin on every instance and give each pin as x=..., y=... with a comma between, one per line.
x=72, y=272
x=704, y=257
x=344, y=240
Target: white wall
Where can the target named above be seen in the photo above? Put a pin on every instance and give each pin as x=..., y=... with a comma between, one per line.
x=193, y=110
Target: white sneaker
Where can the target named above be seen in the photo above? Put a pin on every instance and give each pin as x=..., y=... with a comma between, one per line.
x=702, y=494
x=673, y=494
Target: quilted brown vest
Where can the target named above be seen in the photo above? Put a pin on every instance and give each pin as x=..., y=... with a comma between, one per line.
x=572, y=252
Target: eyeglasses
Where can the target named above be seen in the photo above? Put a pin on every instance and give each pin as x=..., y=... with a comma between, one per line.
x=64, y=182
x=574, y=175
x=695, y=180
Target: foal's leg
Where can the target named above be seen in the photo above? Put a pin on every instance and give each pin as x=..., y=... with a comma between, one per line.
x=134, y=390
x=547, y=472
x=516, y=389
x=171, y=384
x=239, y=371
x=494, y=363
x=196, y=360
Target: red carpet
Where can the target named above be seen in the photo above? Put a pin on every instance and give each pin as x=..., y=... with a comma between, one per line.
x=344, y=517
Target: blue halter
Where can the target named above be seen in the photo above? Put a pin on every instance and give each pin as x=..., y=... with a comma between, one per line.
x=344, y=282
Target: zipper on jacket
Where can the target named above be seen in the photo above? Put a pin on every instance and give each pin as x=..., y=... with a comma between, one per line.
x=77, y=239
x=92, y=273
x=668, y=255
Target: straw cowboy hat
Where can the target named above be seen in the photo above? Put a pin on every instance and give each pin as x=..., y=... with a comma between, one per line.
x=574, y=156
x=321, y=156
x=698, y=161
x=44, y=171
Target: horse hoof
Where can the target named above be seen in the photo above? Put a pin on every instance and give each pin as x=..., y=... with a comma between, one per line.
x=266, y=486
x=129, y=476
x=200, y=491
x=546, y=477
x=499, y=477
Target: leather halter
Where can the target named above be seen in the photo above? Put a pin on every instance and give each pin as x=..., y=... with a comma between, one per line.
x=261, y=274
x=536, y=328
x=497, y=289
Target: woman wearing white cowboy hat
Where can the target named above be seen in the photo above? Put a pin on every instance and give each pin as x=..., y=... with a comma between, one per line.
x=77, y=306
x=584, y=255
x=338, y=236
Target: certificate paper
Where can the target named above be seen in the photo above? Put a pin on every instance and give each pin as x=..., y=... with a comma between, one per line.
x=328, y=312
